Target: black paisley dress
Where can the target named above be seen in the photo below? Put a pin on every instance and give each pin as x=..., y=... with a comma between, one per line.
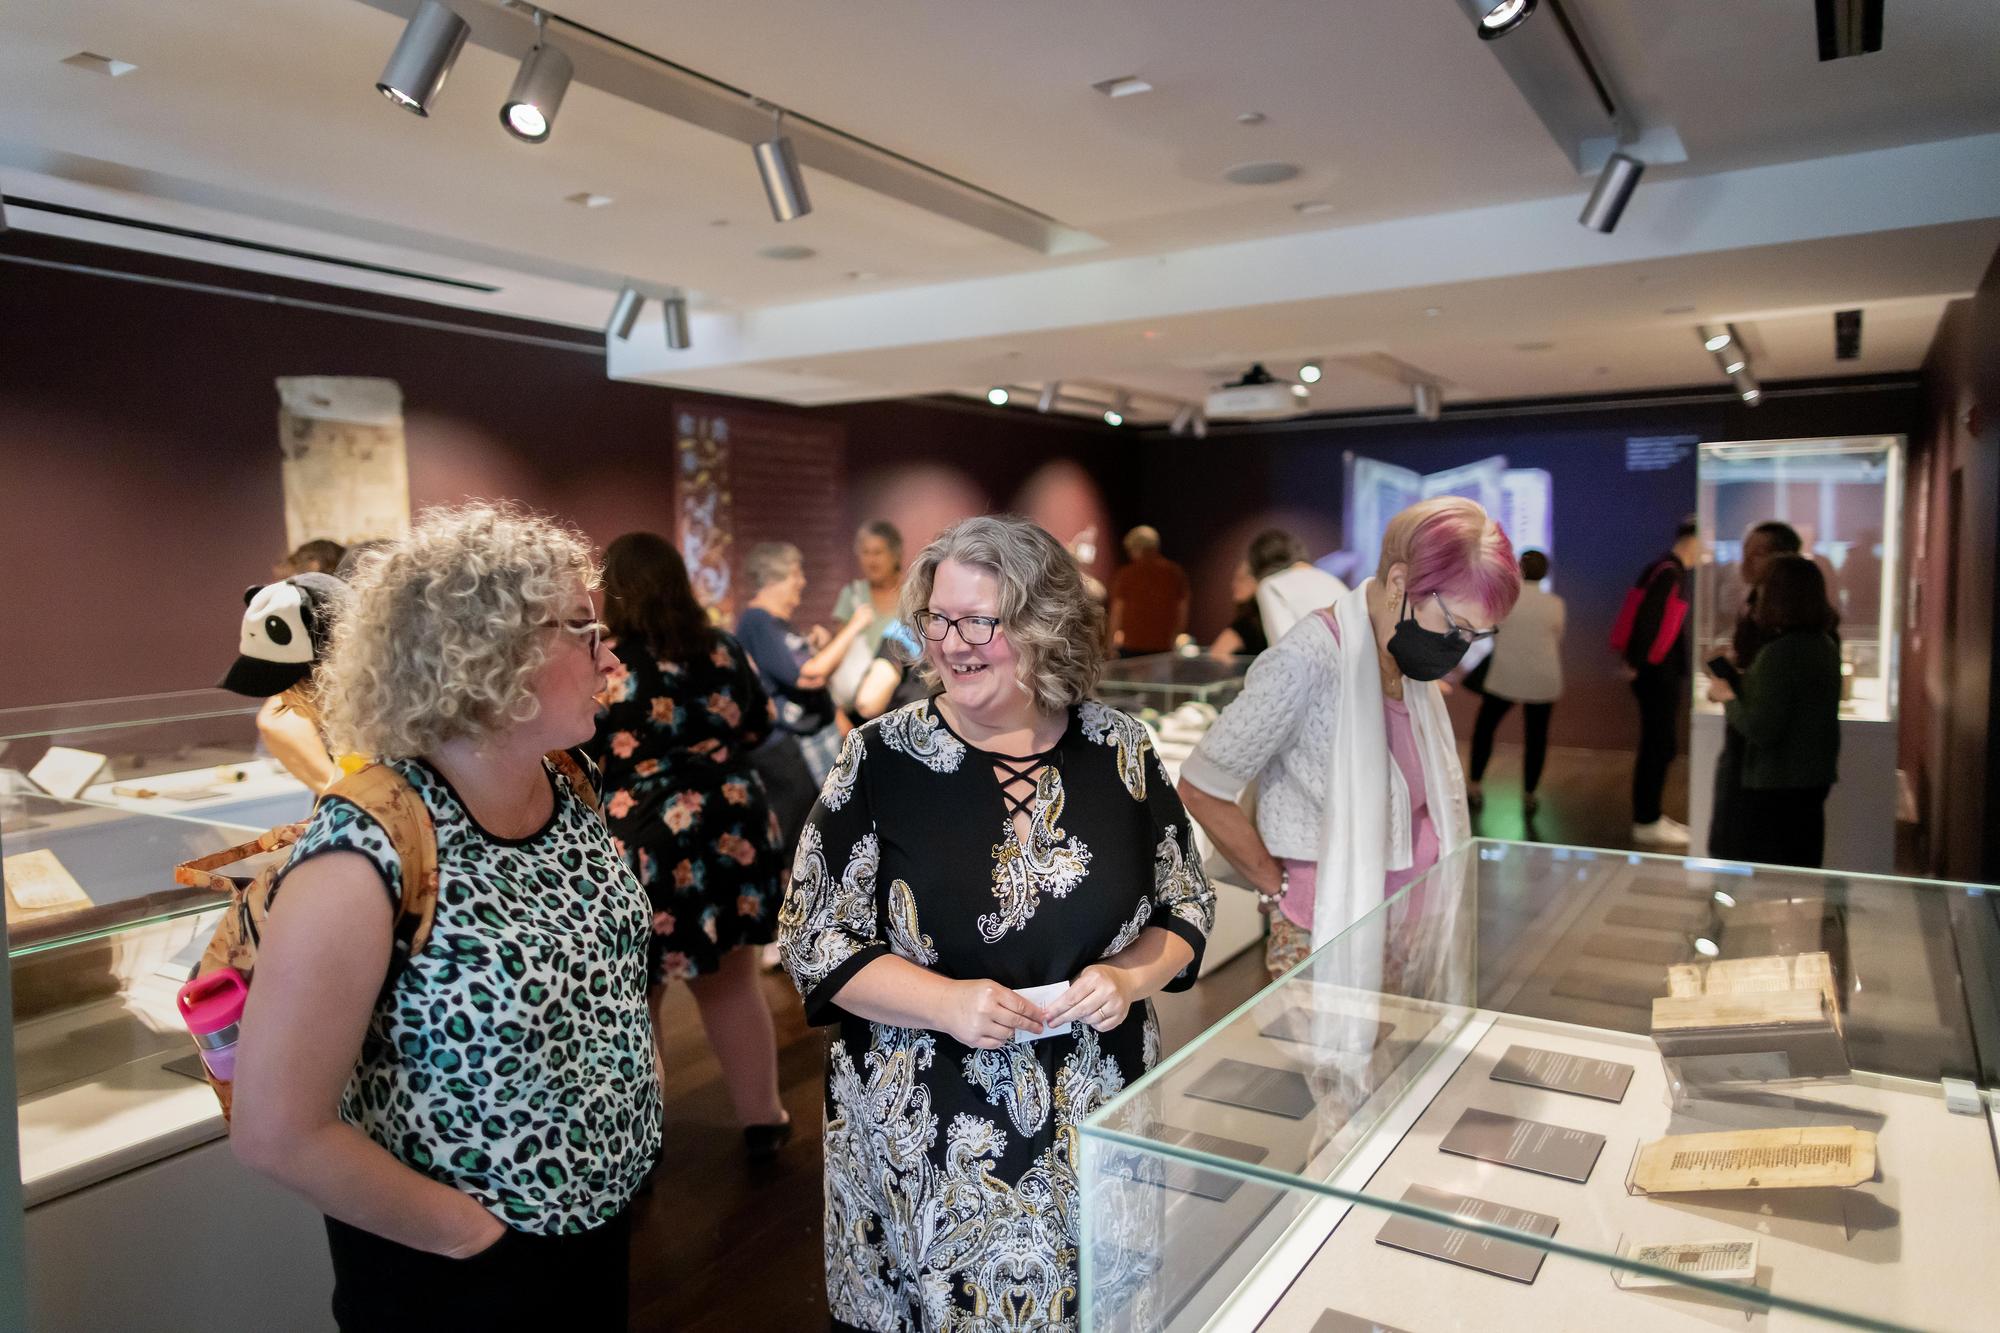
x=685, y=808
x=951, y=1172
x=512, y=1057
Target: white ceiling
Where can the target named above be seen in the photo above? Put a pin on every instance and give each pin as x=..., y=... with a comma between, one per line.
x=1808, y=187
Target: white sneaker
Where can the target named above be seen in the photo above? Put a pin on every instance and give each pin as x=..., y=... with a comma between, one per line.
x=1662, y=832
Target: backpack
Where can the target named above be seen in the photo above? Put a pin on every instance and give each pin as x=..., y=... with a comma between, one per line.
x=387, y=797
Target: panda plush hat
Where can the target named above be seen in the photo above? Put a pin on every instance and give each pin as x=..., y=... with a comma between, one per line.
x=286, y=629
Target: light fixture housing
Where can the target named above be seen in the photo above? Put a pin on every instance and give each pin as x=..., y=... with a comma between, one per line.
x=997, y=396
x=1614, y=189
x=1199, y=425
x=625, y=313
x=1715, y=339
x=1848, y=27
x=424, y=55
x=1426, y=401
x=675, y=308
x=784, y=183
x=529, y=112
x=1732, y=361
x=1114, y=415
x=1747, y=388
x=1497, y=18
x=1310, y=372
x=1183, y=419
x=1050, y=393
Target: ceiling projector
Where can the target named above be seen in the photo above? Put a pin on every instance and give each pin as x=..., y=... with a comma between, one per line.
x=1257, y=394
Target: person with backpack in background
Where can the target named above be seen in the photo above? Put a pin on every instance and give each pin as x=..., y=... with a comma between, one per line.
x=474, y=1115
x=1651, y=636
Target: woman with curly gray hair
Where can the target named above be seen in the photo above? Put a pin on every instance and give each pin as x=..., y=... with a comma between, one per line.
x=473, y=1116
x=978, y=1027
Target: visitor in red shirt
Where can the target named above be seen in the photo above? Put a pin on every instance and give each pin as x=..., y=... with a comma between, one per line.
x=1149, y=598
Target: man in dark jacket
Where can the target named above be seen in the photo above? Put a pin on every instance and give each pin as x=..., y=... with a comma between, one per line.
x=1651, y=637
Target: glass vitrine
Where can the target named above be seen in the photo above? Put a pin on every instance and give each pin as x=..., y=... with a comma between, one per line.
x=1162, y=682
x=1494, y=1103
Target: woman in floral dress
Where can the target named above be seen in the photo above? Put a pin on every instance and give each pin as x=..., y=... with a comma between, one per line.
x=1010, y=834
x=683, y=712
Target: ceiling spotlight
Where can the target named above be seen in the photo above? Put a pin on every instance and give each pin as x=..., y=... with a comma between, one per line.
x=415, y=74
x=1707, y=948
x=1612, y=192
x=1732, y=362
x=1848, y=27
x=997, y=396
x=625, y=313
x=1299, y=391
x=1050, y=393
x=1497, y=18
x=1310, y=372
x=778, y=164
x=675, y=308
x=1715, y=339
x=1427, y=401
x=1114, y=415
x=530, y=108
x=1200, y=426
x=1747, y=388
x=1183, y=419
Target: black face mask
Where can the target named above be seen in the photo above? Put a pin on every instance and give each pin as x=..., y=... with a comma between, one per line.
x=1425, y=654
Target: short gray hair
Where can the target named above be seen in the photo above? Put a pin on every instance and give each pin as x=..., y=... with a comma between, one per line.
x=1044, y=608
x=770, y=562
x=889, y=534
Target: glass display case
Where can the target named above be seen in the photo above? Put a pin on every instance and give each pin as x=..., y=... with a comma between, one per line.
x=1544, y=1087
x=186, y=753
x=1162, y=682
x=1844, y=497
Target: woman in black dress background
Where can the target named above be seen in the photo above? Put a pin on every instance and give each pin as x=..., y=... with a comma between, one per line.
x=683, y=712
x=1010, y=834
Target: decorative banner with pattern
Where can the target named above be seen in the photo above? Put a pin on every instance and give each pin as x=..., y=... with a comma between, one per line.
x=346, y=477
x=704, y=516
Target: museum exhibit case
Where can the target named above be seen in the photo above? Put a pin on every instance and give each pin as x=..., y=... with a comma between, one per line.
x=1178, y=698
x=1547, y=1087
x=1845, y=499
x=122, y=1144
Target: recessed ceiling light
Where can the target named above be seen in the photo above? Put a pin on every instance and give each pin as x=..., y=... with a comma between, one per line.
x=718, y=222
x=1433, y=311
x=1261, y=173
x=98, y=64
x=1149, y=334
x=1250, y=118
x=1299, y=391
x=1310, y=372
x=1125, y=85
x=585, y=199
x=1313, y=206
x=1533, y=347
x=997, y=396
x=788, y=252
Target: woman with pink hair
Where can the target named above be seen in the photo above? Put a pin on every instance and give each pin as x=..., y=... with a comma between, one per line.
x=1342, y=727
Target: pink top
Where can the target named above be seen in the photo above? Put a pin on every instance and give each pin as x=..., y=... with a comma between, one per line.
x=1298, y=902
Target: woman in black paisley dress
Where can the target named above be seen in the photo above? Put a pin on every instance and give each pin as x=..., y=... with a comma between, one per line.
x=1011, y=834
x=682, y=715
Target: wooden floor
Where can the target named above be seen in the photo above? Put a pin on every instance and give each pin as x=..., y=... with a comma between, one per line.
x=721, y=1247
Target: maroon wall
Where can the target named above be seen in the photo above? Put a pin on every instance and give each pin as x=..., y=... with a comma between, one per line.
x=139, y=451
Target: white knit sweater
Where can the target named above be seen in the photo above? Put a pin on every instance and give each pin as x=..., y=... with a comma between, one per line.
x=1278, y=733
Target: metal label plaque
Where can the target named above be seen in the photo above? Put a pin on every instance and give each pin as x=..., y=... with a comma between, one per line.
x=1528, y=1145
x=1512, y=1260
x=1255, y=1088
x=1533, y=1067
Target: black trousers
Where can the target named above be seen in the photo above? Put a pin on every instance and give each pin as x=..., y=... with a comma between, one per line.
x=1535, y=722
x=1730, y=816
x=1784, y=826
x=1659, y=696
x=519, y=1282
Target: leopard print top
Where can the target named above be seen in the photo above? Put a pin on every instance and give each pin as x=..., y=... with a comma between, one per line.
x=512, y=1058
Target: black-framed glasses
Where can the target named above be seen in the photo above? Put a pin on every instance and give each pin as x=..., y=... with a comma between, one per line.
x=1454, y=626
x=973, y=631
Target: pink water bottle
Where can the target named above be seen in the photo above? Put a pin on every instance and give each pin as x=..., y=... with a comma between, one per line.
x=211, y=1006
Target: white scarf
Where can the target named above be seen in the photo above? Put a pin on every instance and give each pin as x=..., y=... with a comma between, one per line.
x=1368, y=829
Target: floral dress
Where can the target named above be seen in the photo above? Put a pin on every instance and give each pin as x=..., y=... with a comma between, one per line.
x=951, y=1172
x=685, y=810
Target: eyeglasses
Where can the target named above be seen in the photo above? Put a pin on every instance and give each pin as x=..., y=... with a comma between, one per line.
x=595, y=629
x=973, y=631
x=1463, y=631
